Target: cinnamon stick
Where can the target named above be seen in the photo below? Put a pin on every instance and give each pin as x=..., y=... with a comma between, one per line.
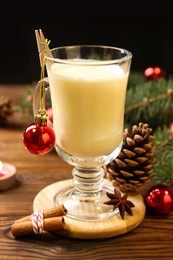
x=26, y=227
x=56, y=211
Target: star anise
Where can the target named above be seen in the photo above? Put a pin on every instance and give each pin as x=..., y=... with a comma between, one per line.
x=120, y=201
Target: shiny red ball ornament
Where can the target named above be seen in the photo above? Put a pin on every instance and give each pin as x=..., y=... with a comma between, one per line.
x=154, y=73
x=39, y=139
x=159, y=199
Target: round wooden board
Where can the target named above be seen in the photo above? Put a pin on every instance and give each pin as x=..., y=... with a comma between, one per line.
x=92, y=229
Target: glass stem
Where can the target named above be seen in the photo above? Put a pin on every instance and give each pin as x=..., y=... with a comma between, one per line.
x=88, y=182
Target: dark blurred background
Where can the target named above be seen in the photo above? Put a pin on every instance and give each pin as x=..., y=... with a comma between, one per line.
x=145, y=30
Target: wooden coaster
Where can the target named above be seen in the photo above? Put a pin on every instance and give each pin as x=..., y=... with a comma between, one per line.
x=93, y=229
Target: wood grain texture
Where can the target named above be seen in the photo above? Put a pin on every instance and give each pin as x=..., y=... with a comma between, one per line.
x=151, y=240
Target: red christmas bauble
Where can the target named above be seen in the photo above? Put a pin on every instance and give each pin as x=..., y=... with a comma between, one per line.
x=39, y=139
x=154, y=73
x=159, y=199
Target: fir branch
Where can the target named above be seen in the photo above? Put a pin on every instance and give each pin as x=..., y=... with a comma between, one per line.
x=163, y=167
x=150, y=102
x=147, y=100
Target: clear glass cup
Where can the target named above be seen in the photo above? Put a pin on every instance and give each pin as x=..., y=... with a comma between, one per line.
x=88, y=90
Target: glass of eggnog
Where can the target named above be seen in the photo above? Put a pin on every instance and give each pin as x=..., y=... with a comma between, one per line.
x=87, y=86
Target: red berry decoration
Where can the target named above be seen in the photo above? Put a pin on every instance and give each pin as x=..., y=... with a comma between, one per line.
x=159, y=199
x=154, y=73
x=38, y=137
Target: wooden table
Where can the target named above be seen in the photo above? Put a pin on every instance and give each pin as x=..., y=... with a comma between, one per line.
x=152, y=239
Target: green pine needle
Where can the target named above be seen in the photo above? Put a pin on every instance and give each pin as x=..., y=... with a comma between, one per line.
x=163, y=167
x=150, y=101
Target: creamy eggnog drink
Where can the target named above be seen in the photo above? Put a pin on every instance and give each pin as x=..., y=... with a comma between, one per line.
x=88, y=86
x=88, y=107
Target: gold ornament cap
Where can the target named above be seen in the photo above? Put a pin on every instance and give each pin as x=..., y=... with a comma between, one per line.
x=41, y=117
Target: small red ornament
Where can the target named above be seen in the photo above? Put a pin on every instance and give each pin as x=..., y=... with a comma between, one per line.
x=159, y=199
x=154, y=73
x=38, y=139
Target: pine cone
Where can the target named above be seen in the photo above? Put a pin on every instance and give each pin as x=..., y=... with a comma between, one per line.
x=133, y=166
x=5, y=108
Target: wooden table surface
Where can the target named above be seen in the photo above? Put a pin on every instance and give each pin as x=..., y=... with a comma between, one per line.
x=152, y=239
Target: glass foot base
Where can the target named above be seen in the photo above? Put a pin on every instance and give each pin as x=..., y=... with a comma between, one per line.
x=85, y=208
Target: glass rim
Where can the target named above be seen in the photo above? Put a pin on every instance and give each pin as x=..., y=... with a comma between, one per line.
x=127, y=55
